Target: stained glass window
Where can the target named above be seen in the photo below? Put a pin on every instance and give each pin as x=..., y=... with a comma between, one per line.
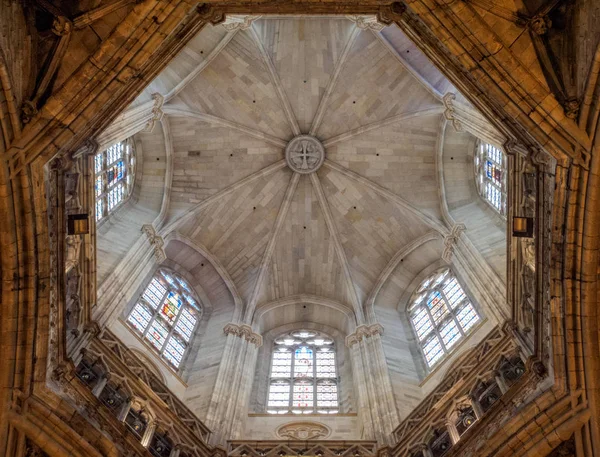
x=441, y=315
x=303, y=375
x=490, y=168
x=114, y=169
x=166, y=316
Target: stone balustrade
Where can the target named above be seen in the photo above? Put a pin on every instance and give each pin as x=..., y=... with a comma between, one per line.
x=486, y=381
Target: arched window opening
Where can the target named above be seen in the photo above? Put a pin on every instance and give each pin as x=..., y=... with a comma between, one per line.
x=465, y=418
x=166, y=315
x=490, y=172
x=160, y=444
x=90, y=372
x=303, y=375
x=441, y=315
x=114, y=170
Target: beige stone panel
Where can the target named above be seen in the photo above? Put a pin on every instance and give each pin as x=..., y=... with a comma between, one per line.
x=372, y=86
x=236, y=86
x=399, y=157
x=485, y=228
x=207, y=158
x=304, y=53
x=305, y=261
x=191, y=56
x=371, y=228
x=236, y=229
x=116, y=235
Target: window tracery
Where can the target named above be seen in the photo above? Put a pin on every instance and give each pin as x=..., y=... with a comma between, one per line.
x=490, y=171
x=114, y=170
x=303, y=375
x=166, y=315
x=441, y=315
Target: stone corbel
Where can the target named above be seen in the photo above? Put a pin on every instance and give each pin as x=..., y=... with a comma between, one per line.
x=156, y=241
x=238, y=22
x=450, y=241
x=362, y=332
x=367, y=23
x=243, y=331
x=157, y=112
x=540, y=24
x=450, y=111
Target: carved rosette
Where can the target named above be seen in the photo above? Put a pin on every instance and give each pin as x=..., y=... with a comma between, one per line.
x=362, y=332
x=243, y=331
x=304, y=154
x=303, y=431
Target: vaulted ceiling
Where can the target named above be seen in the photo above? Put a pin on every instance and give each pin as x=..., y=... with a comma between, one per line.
x=235, y=98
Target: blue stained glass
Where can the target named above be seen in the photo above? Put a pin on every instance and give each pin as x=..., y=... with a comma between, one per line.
x=453, y=292
x=185, y=324
x=174, y=351
x=120, y=170
x=98, y=163
x=422, y=323
x=99, y=210
x=467, y=317
x=170, y=307
x=433, y=350
x=450, y=333
x=139, y=317
x=154, y=292
x=157, y=334
x=99, y=186
x=437, y=306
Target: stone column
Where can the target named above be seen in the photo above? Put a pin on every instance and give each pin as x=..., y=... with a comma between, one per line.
x=230, y=398
x=377, y=408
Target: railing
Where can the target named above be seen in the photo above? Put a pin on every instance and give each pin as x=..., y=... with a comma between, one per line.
x=479, y=383
x=319, y=448
x=139, y=400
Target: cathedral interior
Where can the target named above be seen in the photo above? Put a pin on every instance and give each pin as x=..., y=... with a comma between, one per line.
x=300, y=228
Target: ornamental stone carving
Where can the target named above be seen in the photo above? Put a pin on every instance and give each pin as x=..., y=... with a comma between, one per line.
x=450, y=241
x=304, y=154
x=243, y=331
x=156, y=241
x=157, y=112
x=363, y=331
x=450, y=111
x=303, y=431
x=367, y=23
x=238, y=22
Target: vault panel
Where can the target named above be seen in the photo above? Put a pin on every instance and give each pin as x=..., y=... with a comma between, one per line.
x=236, y=228
x=304, y=52
x=399, y=157
x=236, y=86
x=372, y=86
x=371, y=228
x=304, y=260
x=206, y=159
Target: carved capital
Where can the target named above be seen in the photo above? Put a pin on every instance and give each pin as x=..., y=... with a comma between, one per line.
x=362, y=332
x=390, y=14
x=157, y=112
x=92, y=328
x=450, y=241
x=571, y=107
x=61, y=26
x=209, y=14
x=156, y=241
x=28, y=111
x=243, y=331
x=238, y=22
x=450, y=111
x=368, y=23
x=540, y=24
